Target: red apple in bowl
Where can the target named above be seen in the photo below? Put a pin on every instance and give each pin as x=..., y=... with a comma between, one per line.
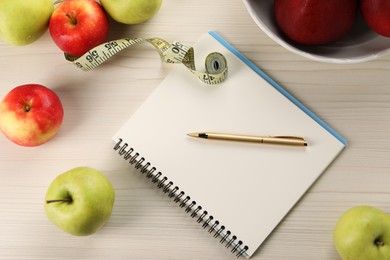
x=376, y=13
x=314, y=22
x=76, y=26
x=30, y=115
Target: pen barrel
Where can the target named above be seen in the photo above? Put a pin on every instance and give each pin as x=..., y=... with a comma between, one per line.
x=237, y=138
x=275, y=140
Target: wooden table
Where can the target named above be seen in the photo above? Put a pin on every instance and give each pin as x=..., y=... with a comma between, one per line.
x=354, y=99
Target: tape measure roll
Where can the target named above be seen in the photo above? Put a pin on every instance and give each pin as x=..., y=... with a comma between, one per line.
x=215, y=64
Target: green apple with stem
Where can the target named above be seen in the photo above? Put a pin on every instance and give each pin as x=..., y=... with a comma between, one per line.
x=80, y=201
x=24, y=21
x=131, y=11
x=363, y=233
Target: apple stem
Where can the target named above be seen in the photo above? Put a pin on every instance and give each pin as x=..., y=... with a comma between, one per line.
x=27, y=108
x=61, y=200
x=74, y=20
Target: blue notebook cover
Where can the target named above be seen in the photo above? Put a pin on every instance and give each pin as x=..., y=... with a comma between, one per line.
x=276, y=85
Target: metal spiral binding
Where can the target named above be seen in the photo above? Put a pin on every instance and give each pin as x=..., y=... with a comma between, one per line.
x=165, y=185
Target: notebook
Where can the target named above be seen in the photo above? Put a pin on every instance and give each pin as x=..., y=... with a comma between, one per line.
x=237, y=191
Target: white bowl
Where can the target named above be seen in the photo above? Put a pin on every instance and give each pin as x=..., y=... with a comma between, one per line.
x=359, y=45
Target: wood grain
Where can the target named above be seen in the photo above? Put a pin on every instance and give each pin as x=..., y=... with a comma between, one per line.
x=354, y=99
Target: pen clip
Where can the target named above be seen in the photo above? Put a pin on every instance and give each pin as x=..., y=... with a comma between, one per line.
x=289, y=137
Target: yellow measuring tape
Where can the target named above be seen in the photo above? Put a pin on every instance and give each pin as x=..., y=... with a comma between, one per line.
x=215, y=64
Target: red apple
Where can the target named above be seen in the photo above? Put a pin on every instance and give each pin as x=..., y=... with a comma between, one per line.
x=77, y=26
x=30, y=115
x=376, y=13
x=315, y=22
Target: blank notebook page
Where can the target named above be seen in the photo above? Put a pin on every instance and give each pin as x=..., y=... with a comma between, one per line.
x=248, y=188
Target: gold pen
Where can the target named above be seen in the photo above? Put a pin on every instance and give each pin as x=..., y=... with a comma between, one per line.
x=277, y=140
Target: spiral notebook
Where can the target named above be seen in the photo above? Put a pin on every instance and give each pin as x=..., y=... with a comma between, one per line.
x=238, y=192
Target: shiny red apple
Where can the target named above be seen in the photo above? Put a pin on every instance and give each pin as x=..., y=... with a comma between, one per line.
x=376, y=13
x=315, y=22
x=30, y=115
x=76, y=26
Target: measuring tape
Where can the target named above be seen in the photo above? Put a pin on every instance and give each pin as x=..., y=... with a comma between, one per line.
x=215, y=64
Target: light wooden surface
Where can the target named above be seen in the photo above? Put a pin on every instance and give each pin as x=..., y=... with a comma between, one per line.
x=354, y=99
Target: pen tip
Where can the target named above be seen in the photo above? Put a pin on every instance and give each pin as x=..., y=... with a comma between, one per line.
x=193, y=134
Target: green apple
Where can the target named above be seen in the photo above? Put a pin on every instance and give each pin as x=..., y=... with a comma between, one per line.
x=363, y=233
x=80, y=201
x=24, y=21
x=131, y=11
